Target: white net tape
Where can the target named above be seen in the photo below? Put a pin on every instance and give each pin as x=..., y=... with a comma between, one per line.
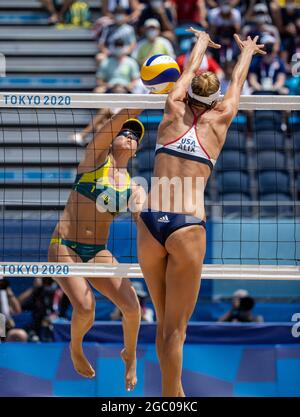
x=130, y=101
x=124, y=270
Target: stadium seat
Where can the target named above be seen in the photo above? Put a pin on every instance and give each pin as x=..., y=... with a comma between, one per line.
x=54, y=48
x=55, y=197
x=236, y=204
x=294, y=121
x=298, y=184
x=235, y=140
x=149, y=140
x=296, y=140
x=239, y=123
x=270, y=160
x=272, y=181
x=55, y=65
x=28, y=18
x=295, y=163
x=37, y=175
x=146, y=160
x=232, y=160
x=233, y=182
x=45, y=155
x=282, y=205
x=54, y=121
x=269, y=140
x=49, y=81
x=267, y=120
x=151, y=119
x=38, y=137
x=42, y=33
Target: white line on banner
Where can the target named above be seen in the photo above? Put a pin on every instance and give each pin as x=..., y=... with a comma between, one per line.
x=144, y=101
x=210, y=271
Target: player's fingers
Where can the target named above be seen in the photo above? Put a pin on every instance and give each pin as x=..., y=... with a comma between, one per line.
x=259, y=51
x=255, y=39
x=240, y=45
x=214, y=45
x=238, y=39
x=191, y=29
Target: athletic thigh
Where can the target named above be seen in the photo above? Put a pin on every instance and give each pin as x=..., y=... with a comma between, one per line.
x=153, y=262
x=186, y=248
x=77, y=289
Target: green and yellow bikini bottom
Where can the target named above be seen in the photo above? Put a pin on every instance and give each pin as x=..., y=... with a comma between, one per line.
x=85, y=252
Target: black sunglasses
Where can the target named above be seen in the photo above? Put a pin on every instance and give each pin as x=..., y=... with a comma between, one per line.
x=128, y=133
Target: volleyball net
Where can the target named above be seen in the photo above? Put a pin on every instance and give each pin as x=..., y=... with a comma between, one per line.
x=251, y=199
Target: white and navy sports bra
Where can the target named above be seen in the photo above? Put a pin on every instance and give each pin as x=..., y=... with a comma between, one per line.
x=188, y=146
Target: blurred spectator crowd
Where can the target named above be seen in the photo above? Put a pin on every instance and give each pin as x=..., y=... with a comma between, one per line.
x=130, y=31
x=241, y=311
x=46, y=302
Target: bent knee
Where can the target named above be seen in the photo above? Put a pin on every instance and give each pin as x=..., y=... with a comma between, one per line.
x=173, y=338
x=130, y=304
x=105, y=256
x=85, y=307
x=131, y=308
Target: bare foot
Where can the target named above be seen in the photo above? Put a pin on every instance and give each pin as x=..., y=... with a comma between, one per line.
x=80, y=362
x=130, y=372
x=181, y=392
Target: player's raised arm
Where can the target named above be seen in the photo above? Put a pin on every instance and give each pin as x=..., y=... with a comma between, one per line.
x=98, y=148
x=110, y=129
x=248, y=48
x=178, y=92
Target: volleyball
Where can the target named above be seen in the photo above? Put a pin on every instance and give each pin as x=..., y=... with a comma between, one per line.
x=159, y=73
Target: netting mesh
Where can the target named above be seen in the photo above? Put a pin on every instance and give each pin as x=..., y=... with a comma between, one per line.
x=252, y=198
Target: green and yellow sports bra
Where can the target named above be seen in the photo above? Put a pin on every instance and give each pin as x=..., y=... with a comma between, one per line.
x=95, y=185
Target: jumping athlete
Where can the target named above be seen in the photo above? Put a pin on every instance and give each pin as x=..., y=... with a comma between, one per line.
x=102, y=190
x=172, y=240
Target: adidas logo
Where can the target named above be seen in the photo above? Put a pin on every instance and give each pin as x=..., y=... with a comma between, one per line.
x=164, y=219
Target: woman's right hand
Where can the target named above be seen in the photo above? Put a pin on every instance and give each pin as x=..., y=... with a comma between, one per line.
x=250, y=44
x=200, y=34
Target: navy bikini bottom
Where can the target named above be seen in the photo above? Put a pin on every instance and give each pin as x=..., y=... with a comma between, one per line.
x=162, y=224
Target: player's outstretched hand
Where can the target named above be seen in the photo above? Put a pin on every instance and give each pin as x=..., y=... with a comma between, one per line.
x=203, y=35
x=250, y=44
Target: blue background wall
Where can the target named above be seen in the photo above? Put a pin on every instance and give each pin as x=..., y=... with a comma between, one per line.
x=219, y=360
x=256, y=241
x=209, y=370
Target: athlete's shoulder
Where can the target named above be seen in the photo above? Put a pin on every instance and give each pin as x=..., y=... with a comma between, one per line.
x=175, y=108
x=222, y=108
